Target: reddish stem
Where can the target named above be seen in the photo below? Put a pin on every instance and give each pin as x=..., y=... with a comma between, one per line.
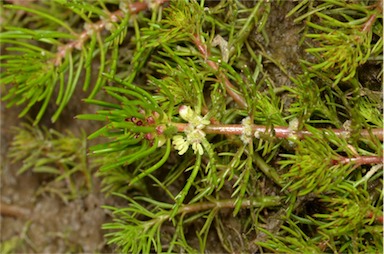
x=278, y=131
x=367, y=25
x=134, y=8
x=137, y=7
x=285, y=132
x=378, y=219
x=360, y=160
x=231, y=90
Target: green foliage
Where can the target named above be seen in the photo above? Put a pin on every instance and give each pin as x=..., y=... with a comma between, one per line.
x=346, y=36
x=342, y=225
x=169, y=77
x=148, y=236
x=312, y=168
x=39, y=60
x=50, y=152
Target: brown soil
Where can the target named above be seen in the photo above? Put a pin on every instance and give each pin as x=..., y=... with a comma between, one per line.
x=39, y=221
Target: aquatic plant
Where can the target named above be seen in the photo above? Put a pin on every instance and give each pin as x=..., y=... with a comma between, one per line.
x=199, y=138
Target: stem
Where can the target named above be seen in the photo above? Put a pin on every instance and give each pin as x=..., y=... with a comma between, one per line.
x=368, y=24
x=229, y=203
x=133, y=8
x=267, y=170
x=278, y=131
x=360, y=160
x=262, y=202
x=286, y=132
x=231, y=89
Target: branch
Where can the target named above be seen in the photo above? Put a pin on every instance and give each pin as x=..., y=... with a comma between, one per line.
x=359, y=160
x=229, y=203
x=231, y=90
x=368, y=24
x=277, y=131
x=133, y=8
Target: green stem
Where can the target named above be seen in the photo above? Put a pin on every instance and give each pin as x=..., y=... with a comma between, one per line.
x=266, y=169
x=231, y=204
x=154, y=167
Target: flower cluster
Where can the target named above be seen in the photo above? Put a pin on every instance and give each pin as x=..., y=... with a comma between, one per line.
x=194, y=134
x=246, y=136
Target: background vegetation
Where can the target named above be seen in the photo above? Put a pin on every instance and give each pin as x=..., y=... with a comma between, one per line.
x=222, y=126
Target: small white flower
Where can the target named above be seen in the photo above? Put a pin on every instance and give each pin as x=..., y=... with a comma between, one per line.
x=246, y=136
x=293, y=128
x=198, y=148
x=347, y=126
x=194, y=133
x=294, y=124
x=186, y=113
x=190, y=116
x=180, y=144
x=195, y=137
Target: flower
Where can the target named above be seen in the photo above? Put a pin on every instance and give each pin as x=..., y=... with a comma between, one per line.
x=193, y=137
x=293, y=128
x=190, y=116
x=246, y=135
x=197, y=147
x=194, y=133
x=180, y=144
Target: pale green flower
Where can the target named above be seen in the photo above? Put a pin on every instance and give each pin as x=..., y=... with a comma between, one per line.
x=293, y=127
x=180, y=144
x=194, y=137
x=191, y=117
x=198, y=148
x=194, y=133
x=246, y=136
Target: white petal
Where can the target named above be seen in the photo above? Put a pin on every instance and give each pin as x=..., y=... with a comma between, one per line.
x=178, y=140
x=186, y=113
x=184, y=149
x=200, y=148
